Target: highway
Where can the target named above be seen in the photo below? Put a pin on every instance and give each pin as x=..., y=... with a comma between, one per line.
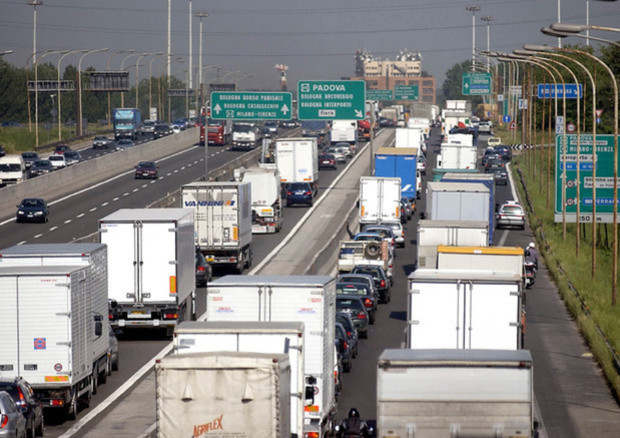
x=573, y=398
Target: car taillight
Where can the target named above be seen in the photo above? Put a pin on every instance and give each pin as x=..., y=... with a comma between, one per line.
x=346, y=345
x=289, y=193
x=4, y=420
x=308, y=193
x=22, y=400
x=367, y=302
x=201, y=269
x=349, y=334
x=361, y=315
x=110, y=316
x=382, y=284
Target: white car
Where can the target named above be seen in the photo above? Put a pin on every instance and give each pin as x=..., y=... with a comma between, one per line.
x=494, y=141
x=175, y=129
x=399, y=232
x=58, y=161
x=485, y=127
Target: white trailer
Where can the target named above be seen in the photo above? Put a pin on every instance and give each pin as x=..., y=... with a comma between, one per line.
x=408, y=138
x=223, y=221
x=465, y=309
x=253, y=337
x=462, y=139
x=92, y=255
x=421, y=123
x=500, y=258
x=223, y=394
x=151, y=266
x=457, y=201
x=452, y=233
x=344, y=131
x=266, y=202
x=455, y=393
x=297, y=160
x=457, y=156
x=52, y=319
x=379, y=199
x=310, y=299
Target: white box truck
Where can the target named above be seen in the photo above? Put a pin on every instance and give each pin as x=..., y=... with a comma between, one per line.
x=52, y=319
x=421, y=123
x=343, y=131
x=453, y=233
x=408, y=138
x=266, y=201
x=252, y=337
x=462, y=139
x=298, y=160
x=92, y=255
x=465, y=309
x=457, y=201
x=499, y=258
x=379, y=200
x=151, y=266
x=310, y=299
x=223, y=221
x=455, y=393
x=223, y=394
x=457, y=156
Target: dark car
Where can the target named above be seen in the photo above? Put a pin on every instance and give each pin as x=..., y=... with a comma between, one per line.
x=161, y=131
x=407, y=206
x=355, y=308
x=270, y=128
x=32, y=209
x=489, y=153
x=386, y=123
x=505, y=152
x=299, y=193
x=204, y=271
x=494, y=164
x=327, y=161
x=146, y=169
x=501, y=176
x=61, y=149
x=344, y=348
x=361, y=291
x=40, y=167
x=13, y=422
x=30, y=158
x=349, y=326
x=22, y=394
x=289, y=123
x=124, y=143
x=382, y=282
x=72, y=157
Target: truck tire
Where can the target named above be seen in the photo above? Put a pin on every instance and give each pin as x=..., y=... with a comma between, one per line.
x=103, y=376
x=372, y=250
x=72, y=407
x=94, y=380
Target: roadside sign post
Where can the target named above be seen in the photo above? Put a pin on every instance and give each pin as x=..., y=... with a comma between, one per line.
x=476, y=84
x=250, y=105
x=331, y=100
x=406, y=92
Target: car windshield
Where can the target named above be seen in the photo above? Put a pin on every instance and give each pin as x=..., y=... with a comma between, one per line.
x=271, y=124
x=42, y=163
x=101, y=137
x=32, y=203
x=345, y=303
x=147, y=165
x=381, y=231
x=29, y=155
x=351, y=289
x=299, y=186
x=512, y=209
x=367, y=238
x=374, y=272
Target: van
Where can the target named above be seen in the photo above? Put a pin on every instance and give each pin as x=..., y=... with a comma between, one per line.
x=12, y=169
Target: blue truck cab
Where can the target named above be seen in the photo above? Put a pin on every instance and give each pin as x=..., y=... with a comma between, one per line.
x=399, y=163
x=127, y=123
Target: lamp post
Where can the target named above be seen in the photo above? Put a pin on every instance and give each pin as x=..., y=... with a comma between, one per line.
x=36, y=94
x=151, y=77
x=488, y=20
x=142, y=55
x=190, y=42
x=58, y=88
x=123, y=69
x=79, y=73
x=109, y=94
x=473, y=9
x=28, y=81
x=200, y=15
x=34, y=3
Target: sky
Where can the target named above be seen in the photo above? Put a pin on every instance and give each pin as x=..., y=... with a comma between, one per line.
x=316, y=39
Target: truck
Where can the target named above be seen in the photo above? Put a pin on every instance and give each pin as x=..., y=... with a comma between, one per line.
x=465, y=308
x=432, y=233
x=218, y=132
x=364, y=130
x=501, y=258
x=379, y=200
x=315, y=128
x=221, y=394
x=223, y=221
x=151, y=267
x=343, y=131
x=55, y=332
x=12, y=169
x=246, y=136
x=462, y=139
x=408, y=138
x=400, y=163
x=252, y=337
x=354, y=252
x=267, y=212
x=450, y=393
x=127, y=123
x=457, y=156
x=421, y=123
x=390, y=112
x=297, y=160
x=487, y=180
x=310, y=299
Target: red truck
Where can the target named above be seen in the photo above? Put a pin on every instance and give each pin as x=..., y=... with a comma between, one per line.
x=217, y=132
x=363, y=130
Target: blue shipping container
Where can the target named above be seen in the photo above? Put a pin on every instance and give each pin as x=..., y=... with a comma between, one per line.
x=400, y=163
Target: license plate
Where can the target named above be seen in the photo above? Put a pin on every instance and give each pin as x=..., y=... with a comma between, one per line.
x=139, y=314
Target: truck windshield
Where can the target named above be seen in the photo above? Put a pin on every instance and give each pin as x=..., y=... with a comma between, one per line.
x=315, y=125
x=242, y=128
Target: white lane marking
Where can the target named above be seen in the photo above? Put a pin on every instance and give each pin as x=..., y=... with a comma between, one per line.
x=154, y=181
x=126, y=194
x=502, y=239
x=68, y=221
x=106, y=203
x=93, y=209
x=183, y=168
x=196, y=162
x=176, y=170
x=135, y=190
x=22, y=242
x=145, y=185
x=53, y=228
x=80, y=215
x=147, y=433
x=168, y=174
x=37, y=236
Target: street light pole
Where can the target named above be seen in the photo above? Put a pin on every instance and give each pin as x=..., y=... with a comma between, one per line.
x=190, y=43
x=123, y=69
x=36, y=94
x=109, y=94
x=151, y=77
x=473, y=9
x=200, y=16
x=58, y=88
x=488, y=20
x=80, y=130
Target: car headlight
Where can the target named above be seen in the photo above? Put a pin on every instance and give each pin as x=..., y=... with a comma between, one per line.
x=20, y=212
x=38, y=213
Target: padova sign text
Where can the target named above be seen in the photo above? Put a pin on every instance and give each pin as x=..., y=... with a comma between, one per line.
x=249, y=105
x=331, y=100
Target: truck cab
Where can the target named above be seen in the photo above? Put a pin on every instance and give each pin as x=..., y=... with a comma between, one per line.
x=246, y=136
x=12, y=169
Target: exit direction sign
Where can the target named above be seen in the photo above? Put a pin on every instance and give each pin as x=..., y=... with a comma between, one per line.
x=406, y=92
x=379, y=95
x=476, y=84
x=331, y=100
x=549, y=91
x=249, y=105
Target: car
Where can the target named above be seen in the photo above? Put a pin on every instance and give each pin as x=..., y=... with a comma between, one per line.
x=362, y=291
x=338, y=152
x=204, y=271
x=355, y=308
x=399, y=232
x=148, y=126
x=494, y=141
x=10, y=124
x=489, y=153
x=40, y=167
x=379, y=276
x=505, y=152
x=176, y=129
x=146, y=169
x=123, y=143
x=27, y=403
x=494, y=162
x=359, y=278
x=348, y=150
x=61, y=149
x=30, y=158
x=72, y=157
x=58, y=161
x=2, y=151
x=485, y=127
x=349, y=326
x=32, y=209
x=384, y=231
x=421, y=164
x=344, y=347
x=101, y=141
x=501, y=177
x=287, y=124
x=13, y=423
x=113, y=352
x=510, y=214
x=161, y=131
x=384, y=122
x=327, y=161
x=181, y=123
x=299, y=193
x=270, y=128
x=407, y=206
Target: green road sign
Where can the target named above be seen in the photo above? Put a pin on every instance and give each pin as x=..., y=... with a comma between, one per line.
x=331, y=100
x=249, y=105
x=379, y=95
x=476, y=84
x=604, y=178
x=406, y=92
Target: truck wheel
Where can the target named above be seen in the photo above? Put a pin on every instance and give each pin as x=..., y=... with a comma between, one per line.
x=103, y=376
x=72, y=407
x=94, y=380
x=41, y=429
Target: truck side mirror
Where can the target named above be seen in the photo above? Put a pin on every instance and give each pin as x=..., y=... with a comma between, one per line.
x=309, y=396
x=98, y=325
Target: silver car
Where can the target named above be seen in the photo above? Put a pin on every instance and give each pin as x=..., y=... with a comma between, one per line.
x=338, y=153
x=510, y=214
x=9, y=413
